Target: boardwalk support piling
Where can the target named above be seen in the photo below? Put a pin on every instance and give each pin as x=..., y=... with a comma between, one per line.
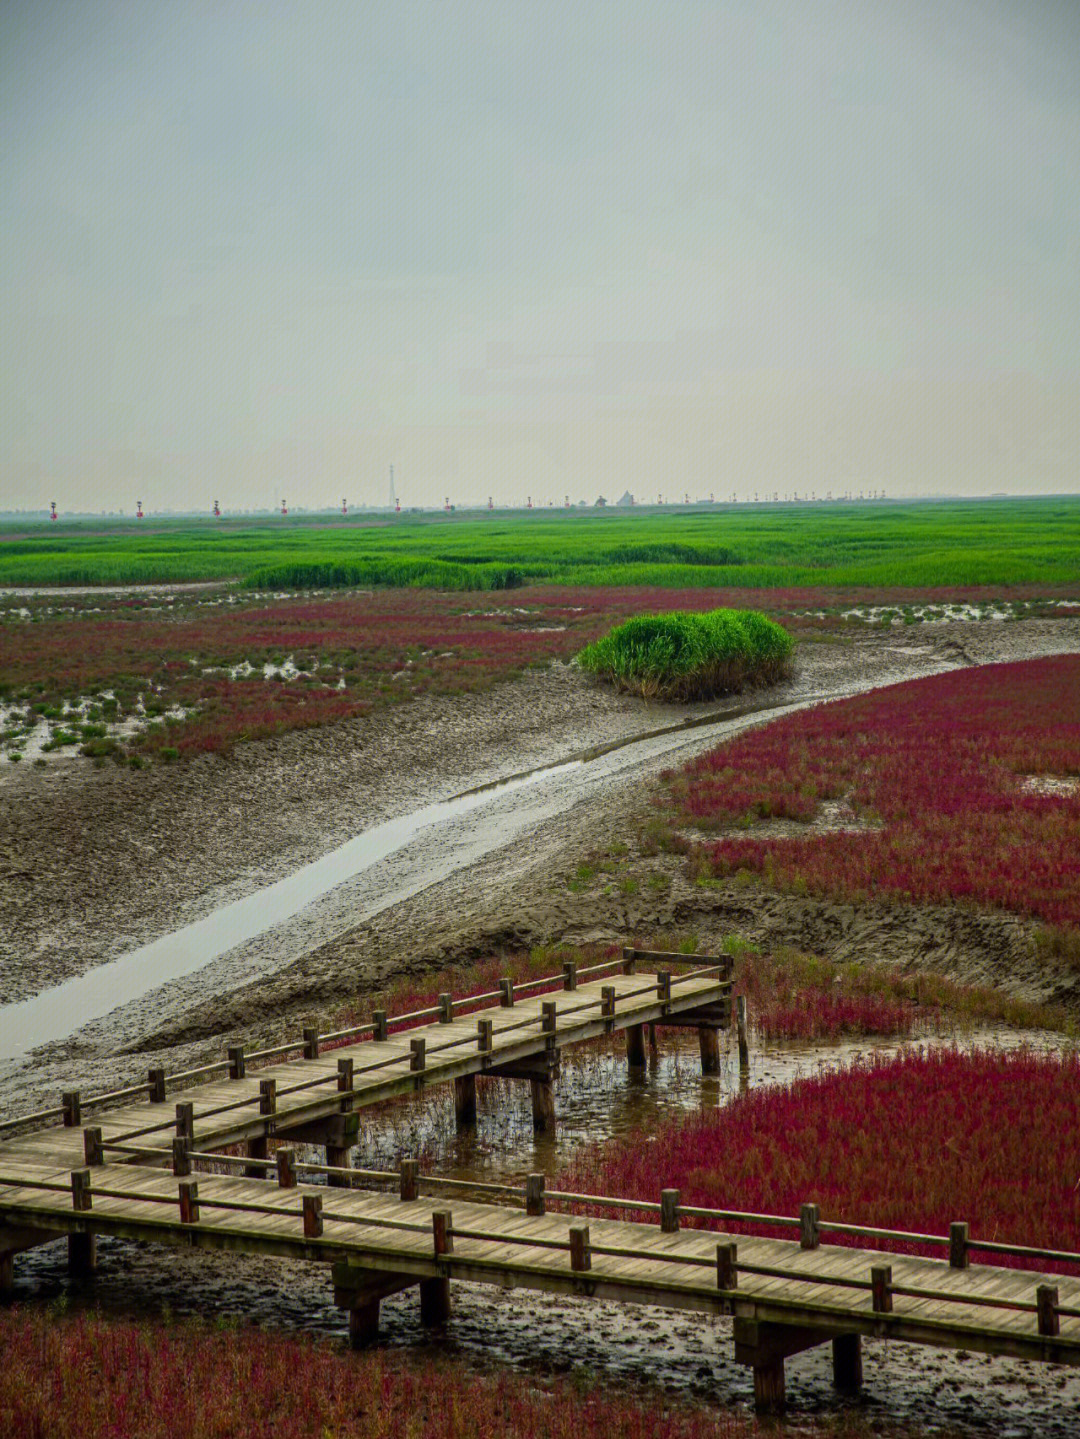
x=744, y=1048
x=256, y=1149
x=709, y=1044
x=543, y=1105
x=82, y=1255
x=635, y=1046
x=847, y=1363
x=465, y=1100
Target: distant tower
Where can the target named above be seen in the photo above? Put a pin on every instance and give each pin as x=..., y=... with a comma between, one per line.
x=344, y=506
x=284, y=508
x=138, y=509
x=393, y=497
x=53, y=515
x=217, y=510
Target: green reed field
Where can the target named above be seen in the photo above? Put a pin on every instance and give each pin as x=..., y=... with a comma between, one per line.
x=956, y=543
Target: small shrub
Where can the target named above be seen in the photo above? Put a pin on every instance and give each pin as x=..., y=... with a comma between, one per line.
x=684, y=656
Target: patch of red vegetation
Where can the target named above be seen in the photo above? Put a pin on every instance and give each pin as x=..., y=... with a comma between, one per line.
x=88, y=1377
x=937, y=764
x=911, y=1143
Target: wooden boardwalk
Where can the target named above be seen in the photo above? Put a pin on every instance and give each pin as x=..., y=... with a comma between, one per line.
x=313, y=1089
x=784, y=1295
x=142, y=1163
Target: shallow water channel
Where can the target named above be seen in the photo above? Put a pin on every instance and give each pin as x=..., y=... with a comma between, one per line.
x=684, y=1354
x=378, y=868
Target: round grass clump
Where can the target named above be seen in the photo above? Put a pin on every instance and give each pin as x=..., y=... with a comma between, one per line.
x=682, y=656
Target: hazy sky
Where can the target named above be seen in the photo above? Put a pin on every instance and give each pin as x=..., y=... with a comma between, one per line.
x=254, y=250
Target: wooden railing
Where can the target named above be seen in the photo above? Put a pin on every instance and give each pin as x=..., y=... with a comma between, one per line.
x=534, y=1197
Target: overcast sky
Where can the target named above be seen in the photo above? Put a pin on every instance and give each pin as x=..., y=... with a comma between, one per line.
x=254, y=250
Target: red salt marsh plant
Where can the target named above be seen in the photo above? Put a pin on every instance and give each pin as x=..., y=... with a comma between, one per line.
x=936, y=765
x=85, y=1377
x=911, y=1142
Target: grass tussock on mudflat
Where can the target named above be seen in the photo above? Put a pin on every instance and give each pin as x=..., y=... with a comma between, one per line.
x=684, y=656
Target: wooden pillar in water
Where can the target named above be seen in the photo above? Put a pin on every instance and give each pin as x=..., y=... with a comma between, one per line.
x=465, y=1100
x=709, y=1043
x=337, y=1157
x=82, y=1255
x=543, y=1105
x=635, y=1046
x=847, y=1363
x=256, y=1149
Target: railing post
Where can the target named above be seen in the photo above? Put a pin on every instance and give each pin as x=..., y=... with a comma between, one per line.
x=569, y=972
x=155, y=1079
x=345, y=1075
x=92, y=1151
x=81, y=1199
x=727, y=1275
x=237, y=1062
x=446, y=1009
x=311, y=1041
x=267, y=1096
x=740, y=1021
x=313, y=1222
x=881, y=1292
x=417, y=1054
x=286, y=1168
x=71, y=1103
x=410, y=1179
x=506, y=993
x=181, y=1160
x=189, y=1201
x=580, y=1254
x=534, y=1194
x=663, y=985
x=185, y=1121
x=669, y=1211
x=484, y=1031
x=378, y=1020
x=1046, y=1299
x=809, y=1226
x=549, y=1011
x=607, y=1001
x=958, y=1245
x=629, y=957
x=442, y=1230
